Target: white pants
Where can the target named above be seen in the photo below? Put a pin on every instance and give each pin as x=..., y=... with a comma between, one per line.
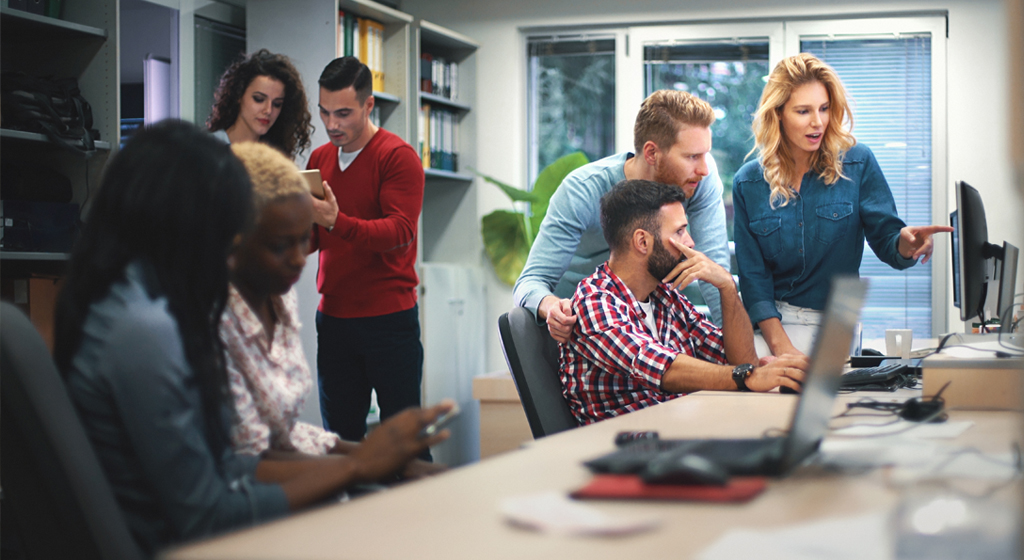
x=801, y=325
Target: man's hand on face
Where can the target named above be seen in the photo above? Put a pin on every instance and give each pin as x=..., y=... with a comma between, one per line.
x=696, y=266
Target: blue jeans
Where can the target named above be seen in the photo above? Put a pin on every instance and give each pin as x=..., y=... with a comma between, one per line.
x=355, y=356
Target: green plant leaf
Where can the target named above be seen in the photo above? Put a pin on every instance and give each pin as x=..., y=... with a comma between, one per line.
x=517, y=195
x=547, y=183
x=505, y=243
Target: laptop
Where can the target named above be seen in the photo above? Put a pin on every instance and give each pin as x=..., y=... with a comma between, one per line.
x=771, y=456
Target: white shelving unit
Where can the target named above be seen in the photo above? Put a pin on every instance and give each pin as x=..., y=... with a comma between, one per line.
x=83, y=45
x=449, y=204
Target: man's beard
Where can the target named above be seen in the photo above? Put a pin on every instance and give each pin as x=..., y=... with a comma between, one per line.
x=664, y=177
x=661, y=262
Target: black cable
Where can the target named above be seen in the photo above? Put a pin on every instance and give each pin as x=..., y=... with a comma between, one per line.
x=1003, y=320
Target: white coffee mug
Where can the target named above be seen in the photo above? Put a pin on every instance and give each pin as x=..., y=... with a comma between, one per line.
x=897, y=342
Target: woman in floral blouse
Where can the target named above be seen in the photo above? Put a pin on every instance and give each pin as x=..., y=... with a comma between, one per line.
x=267, y=369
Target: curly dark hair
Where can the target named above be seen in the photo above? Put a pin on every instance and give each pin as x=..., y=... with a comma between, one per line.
x=292, y=130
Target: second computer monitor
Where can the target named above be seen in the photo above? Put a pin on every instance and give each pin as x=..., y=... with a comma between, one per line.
x=973, y=256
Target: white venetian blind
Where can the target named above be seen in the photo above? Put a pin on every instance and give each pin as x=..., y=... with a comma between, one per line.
x=888, y=80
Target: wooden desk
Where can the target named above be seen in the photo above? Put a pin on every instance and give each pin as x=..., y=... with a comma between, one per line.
x=455, y=515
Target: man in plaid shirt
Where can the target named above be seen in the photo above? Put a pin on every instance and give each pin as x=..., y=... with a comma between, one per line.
x=638, y=341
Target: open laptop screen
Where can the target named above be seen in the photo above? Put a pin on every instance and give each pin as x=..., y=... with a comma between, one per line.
x=831, y=351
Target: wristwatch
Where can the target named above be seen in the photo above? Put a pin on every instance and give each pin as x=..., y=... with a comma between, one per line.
x=740, y=374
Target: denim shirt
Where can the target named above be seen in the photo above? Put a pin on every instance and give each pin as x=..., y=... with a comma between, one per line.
x=570, y=244
x=790, y=253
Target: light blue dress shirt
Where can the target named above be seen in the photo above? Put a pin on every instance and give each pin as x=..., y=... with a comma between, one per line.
x=570, y=244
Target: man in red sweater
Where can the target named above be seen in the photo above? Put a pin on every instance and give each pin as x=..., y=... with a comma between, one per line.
x=368, y=330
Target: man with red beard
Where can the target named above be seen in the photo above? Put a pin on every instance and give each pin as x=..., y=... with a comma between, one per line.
x=672, y=139
x=637, y=341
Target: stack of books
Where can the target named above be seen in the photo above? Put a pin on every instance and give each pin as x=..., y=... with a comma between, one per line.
x=439, y=138
x=439, y=76
x=364, y=39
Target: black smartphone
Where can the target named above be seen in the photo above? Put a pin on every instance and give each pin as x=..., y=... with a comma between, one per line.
x=439, y=424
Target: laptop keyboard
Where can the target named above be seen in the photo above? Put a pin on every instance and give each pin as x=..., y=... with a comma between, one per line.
x=879, y=375
x=738, y=456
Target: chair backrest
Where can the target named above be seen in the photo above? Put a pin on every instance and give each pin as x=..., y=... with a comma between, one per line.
x=532, y=356
x=55, y=492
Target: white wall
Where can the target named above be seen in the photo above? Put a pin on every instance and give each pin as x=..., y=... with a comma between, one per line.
x=145, y=29
x=978, y=95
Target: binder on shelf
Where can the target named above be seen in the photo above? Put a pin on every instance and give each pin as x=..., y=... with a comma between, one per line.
x=426, y=65
x=376, y=53
x=425, y=135
x=364, y=39
x=340, y=49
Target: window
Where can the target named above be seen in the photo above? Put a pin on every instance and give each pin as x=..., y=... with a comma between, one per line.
x=729, y=76
x=889, y=81
x=571, y=98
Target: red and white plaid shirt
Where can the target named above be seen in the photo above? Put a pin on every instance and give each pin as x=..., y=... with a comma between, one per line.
x=612, y=363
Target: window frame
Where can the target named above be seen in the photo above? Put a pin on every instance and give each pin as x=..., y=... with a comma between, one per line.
x=784, y=36
x=935, y=25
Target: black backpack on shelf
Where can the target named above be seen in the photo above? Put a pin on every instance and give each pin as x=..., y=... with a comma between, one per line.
x=51, y=106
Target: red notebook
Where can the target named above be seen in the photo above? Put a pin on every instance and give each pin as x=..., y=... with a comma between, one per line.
x=631, y=487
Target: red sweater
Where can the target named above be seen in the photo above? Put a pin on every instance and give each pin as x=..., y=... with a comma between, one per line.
x=368, y=260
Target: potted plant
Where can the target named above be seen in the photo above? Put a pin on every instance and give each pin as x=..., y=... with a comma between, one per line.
x=509, y=234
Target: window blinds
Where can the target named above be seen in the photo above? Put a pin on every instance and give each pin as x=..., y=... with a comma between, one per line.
x=888, y=83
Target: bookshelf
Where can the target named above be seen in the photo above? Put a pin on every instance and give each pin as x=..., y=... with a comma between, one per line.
x=83, y=45
x=449, y=230
x=307, y=31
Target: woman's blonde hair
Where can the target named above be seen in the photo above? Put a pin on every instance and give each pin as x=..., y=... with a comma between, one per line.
x=273, y=175
x=774, y=152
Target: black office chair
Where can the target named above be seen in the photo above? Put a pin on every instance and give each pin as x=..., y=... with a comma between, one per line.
x=55, y=492
x=532, y=356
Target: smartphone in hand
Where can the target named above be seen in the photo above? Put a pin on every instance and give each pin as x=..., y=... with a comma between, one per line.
x=439, y=424
x=316, y=185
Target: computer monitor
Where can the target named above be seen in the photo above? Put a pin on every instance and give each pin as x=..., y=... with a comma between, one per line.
x=974, y=258
x=1007, y=286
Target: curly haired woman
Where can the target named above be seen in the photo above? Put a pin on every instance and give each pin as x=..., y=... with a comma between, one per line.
x=261, y=99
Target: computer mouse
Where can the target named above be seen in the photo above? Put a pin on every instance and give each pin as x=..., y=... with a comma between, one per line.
x=624, y=438
x=870, y=352
x=788, y=390
x=684, y=468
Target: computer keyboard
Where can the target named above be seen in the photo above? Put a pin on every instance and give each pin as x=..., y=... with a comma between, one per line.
x=735, y=454
x=634, y=456
x=877, y=375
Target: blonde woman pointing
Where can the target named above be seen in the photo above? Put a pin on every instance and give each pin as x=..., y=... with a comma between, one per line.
x=805, y=207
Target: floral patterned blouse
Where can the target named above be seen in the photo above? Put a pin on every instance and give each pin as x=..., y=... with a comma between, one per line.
x=269, y=380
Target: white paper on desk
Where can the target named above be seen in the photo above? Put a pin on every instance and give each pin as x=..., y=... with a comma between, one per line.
x=955, y=463
x=943, y=430
x=555, y=513
x=849, y=538
x=877, y=452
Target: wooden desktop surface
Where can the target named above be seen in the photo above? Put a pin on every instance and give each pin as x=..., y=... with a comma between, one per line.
x=456, y=515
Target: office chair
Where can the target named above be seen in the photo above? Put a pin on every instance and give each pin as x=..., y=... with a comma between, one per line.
x=55, y=492
x=532, y=356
